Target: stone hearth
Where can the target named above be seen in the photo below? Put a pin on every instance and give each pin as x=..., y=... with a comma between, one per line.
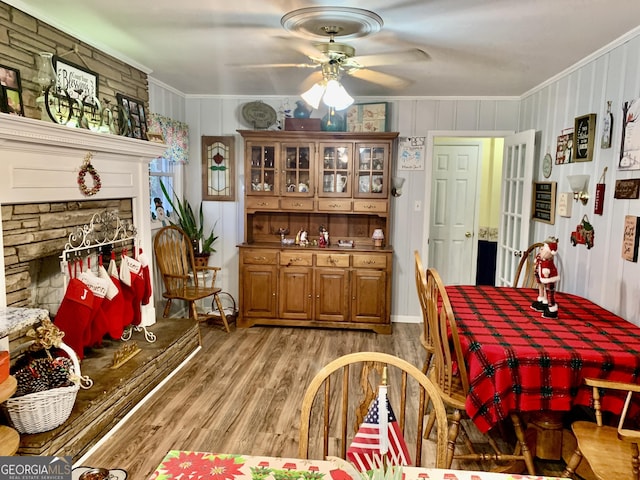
x=115, y=391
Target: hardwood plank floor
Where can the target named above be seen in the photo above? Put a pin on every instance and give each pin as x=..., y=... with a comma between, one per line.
x=241, y=394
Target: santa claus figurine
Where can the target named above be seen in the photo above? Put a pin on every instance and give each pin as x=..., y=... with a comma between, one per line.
x=546, y=276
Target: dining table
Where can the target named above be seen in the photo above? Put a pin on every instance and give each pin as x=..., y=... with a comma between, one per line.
x=518, y=360
x=190, y=465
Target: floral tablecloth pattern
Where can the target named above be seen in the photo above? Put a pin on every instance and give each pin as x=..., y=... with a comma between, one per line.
x=187, y=465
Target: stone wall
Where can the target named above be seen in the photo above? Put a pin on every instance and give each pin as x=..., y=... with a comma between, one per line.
x=39, y=230
x=22, y=37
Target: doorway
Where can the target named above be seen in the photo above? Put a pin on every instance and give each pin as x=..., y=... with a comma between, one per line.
x=464, y=176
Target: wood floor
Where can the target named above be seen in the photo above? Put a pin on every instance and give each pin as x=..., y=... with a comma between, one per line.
x=241, y=393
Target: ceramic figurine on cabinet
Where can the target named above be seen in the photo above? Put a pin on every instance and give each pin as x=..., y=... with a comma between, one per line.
x=301, y=238
x=323, y=239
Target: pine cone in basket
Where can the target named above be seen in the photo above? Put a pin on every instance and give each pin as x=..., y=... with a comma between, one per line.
x=43, y=374
x=29, y=381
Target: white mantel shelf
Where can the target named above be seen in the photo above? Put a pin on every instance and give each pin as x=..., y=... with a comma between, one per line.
x=28, y=131
x=40, y=161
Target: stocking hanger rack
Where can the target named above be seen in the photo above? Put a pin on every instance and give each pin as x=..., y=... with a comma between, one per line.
x=104, y=230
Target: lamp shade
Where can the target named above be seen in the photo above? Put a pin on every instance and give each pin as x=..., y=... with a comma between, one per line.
x=314, y=95
x=336, y=96
x=578, y=183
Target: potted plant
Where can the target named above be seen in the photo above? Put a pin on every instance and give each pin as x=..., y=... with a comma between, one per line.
x=192, y=225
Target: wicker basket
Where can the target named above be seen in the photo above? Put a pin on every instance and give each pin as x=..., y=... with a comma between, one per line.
x=42, y=411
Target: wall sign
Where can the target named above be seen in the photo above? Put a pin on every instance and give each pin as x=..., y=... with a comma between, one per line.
x=631, y=238
x=627, y=189
x=78, y=82
x=564, y=148
x=544, y=202
x=584, y=137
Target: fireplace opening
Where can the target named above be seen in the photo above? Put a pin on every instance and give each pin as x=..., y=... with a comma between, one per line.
x=35, y=236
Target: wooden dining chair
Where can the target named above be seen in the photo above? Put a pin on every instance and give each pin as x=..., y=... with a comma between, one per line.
x=182, y=279
x=449, y=375
x=421, y=287
x=612, y=452
x=525, y=274
x=339, y=396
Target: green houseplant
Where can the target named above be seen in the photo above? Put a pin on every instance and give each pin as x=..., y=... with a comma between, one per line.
x=192, y=225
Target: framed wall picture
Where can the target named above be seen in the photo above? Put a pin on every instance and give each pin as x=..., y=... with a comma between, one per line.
x=631, y=238
x=137, y=116
x=367, y=117
x=544, y=202
x=629, y=153
x=77, y=81
x=584, y=135
x=11, y=91
x=564, y=147
x=218, y=168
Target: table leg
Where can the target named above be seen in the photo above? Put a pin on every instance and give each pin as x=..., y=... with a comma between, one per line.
x=548, y=426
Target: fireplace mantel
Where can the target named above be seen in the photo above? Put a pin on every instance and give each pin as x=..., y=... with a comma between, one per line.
x=40, y=161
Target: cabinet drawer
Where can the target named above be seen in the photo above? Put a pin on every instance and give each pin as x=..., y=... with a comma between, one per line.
x=370, y=261
x=370, y=206
x=296, y=204
x=261, y=203
x=332, y=260
x=296, y=258
x=334, y=205
x=260, y=257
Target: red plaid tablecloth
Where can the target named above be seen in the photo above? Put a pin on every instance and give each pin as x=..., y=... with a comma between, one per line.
x=519, y=361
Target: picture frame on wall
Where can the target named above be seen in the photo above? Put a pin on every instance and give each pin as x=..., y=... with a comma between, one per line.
x=11, y=91
x=79, y=82
x=137, y=116
x=367, y=117
x=584, y=135
x=218, y=168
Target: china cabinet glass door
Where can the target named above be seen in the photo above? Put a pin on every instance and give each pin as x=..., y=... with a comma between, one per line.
x=262, y=180
x=297, y=170
x=372, y=171
x=335, y=165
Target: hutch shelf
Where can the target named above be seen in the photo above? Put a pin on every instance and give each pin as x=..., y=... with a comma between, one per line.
x=302, y=181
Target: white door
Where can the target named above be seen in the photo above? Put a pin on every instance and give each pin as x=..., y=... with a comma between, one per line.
x=515, y=203
x=452, y=241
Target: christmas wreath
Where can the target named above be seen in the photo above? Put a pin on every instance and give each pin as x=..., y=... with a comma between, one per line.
x=88, y=168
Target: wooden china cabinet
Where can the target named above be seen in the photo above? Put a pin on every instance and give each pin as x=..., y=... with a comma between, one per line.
x=308, y=181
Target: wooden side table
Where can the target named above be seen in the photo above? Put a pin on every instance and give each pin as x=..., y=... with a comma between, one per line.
x=9, y=437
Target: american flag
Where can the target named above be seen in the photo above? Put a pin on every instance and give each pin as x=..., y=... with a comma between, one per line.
x=373, y=441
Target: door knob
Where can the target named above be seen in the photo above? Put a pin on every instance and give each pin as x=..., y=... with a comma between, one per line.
x=468, y=234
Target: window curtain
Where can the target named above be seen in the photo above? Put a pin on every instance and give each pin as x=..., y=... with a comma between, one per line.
x=176, y=136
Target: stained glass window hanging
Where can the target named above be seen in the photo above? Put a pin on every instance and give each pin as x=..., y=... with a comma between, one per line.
x=218, y=172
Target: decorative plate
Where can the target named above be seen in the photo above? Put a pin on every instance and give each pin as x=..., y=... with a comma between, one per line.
x=114, y=473
x=259, y=115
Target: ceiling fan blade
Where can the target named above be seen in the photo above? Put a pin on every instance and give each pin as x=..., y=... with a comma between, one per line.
x=390, y=58
x=272, y=65
x=306, y=49
x=308, y=82
x=384, y=79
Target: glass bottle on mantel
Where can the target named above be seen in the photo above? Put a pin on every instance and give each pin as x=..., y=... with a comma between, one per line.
x=607, y=127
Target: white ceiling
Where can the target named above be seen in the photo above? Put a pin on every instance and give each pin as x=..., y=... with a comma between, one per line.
x=477, y=47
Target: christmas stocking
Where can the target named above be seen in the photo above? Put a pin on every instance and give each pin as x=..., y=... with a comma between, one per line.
x=98, y=323
x=131, y=274
x=127, y=295
x=113, y=305
x=74, y=315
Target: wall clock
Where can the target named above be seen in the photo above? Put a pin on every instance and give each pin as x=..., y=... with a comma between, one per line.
x=547, y=163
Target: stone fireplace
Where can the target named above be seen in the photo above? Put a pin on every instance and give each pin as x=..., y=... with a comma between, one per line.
x=41, y=202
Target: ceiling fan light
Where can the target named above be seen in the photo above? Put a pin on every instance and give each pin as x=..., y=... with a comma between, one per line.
x=336, y=96
x=314, y=95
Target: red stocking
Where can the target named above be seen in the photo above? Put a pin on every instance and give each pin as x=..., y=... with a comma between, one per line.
x=113, y=305
x=74, y=315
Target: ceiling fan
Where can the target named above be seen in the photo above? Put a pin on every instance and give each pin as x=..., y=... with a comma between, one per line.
x=333, y=59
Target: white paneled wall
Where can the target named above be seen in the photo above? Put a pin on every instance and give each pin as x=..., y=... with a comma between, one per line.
x=599, y=274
